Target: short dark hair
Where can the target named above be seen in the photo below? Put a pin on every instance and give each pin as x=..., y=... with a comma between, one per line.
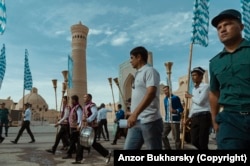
x=102, y=105
x=90, y=96
x=75, y=97
x=140, y=51
x=119, y=106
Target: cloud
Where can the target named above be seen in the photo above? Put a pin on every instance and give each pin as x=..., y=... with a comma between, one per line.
x=161, y=29
x=60, y=32
x=94, y=32
x=120, y=39
x=156, y=30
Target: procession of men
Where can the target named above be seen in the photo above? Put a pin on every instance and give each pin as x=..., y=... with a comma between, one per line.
x=208, y=116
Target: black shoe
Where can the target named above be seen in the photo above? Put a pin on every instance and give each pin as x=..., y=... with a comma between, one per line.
x=1, y=139
x=32, y=141
x=113, y=143
x=14, y=142
x=50, y=151
x=67, y=157
x=108, y=157
x=106, y=139
x=6, y=134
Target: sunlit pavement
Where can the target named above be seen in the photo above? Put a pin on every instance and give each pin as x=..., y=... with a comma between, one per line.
x=34, y=154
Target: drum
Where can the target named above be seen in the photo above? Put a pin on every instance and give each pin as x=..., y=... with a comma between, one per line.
x=87, y=136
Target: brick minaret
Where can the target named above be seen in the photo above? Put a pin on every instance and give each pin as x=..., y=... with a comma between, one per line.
x=79, y=41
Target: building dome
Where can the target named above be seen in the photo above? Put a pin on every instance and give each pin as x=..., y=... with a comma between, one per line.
x=37, y=101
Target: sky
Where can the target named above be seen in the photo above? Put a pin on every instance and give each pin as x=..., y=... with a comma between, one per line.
x=115, y=27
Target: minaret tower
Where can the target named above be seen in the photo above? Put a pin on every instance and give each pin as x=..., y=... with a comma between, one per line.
x=79, y=41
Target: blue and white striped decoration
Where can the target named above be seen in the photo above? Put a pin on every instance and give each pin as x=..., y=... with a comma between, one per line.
x=27, y=74
x=245, y=8
x=70, y=72
x=200, y=22
x=2, y=17
x=2, y=65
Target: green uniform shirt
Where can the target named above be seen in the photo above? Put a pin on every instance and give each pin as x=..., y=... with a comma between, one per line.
x=230, y=75
x=4, y=114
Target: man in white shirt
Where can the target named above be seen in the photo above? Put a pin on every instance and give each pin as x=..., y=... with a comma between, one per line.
x=145, y=121
x=102, y=121
x=199, y=115
x=25, y=124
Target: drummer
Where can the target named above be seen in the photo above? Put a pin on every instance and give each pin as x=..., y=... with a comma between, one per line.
x=90, y=119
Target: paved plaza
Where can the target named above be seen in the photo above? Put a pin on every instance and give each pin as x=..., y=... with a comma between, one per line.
x=34, y=154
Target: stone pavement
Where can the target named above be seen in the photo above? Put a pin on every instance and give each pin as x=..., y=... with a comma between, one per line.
x=26, y=154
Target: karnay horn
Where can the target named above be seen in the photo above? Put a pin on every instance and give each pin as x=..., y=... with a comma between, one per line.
x=118, y=85
x=110, y=83
x=65, y=75
x=168, y=66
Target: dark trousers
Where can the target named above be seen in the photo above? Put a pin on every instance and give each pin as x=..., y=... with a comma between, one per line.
x=100, y=131
x=102, y=123
x=4, y=123
x=97, y=146
x=74, y=137
x=200, y=126
x=63, y=135
x=175, y=128
x=1, y=129
x=25, y=125
x=119, y=132
x=234, y=130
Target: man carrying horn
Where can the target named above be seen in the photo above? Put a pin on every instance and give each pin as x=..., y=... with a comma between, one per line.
x=174, y=122
x=199, y=114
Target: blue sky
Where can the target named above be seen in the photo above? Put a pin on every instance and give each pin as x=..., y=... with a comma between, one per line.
x=115, y=27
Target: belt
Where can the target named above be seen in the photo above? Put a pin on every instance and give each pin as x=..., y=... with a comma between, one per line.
x=201, y=114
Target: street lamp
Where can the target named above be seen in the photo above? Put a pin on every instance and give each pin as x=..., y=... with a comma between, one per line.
x=54, y=81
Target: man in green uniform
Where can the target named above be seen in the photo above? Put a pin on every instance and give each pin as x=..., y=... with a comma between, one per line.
x=4, y=121
x=230, y=83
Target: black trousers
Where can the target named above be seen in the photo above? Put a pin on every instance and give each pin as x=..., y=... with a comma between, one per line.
x=97, y=146
x=119, y=132
x=200, y=126
x=25, y=125
x=102, y=123
x=4, y=123
x=74, y=137
x=63, y=135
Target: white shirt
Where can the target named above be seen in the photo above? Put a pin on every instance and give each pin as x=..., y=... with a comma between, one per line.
x=65, y=116
x=27, y=115
x=102, y=114
x=146, y=77
x=200, y=99
x=93, y=116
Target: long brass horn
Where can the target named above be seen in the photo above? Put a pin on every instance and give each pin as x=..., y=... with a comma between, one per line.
x=110, y=83
x=168, y=66
x=118, y=85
